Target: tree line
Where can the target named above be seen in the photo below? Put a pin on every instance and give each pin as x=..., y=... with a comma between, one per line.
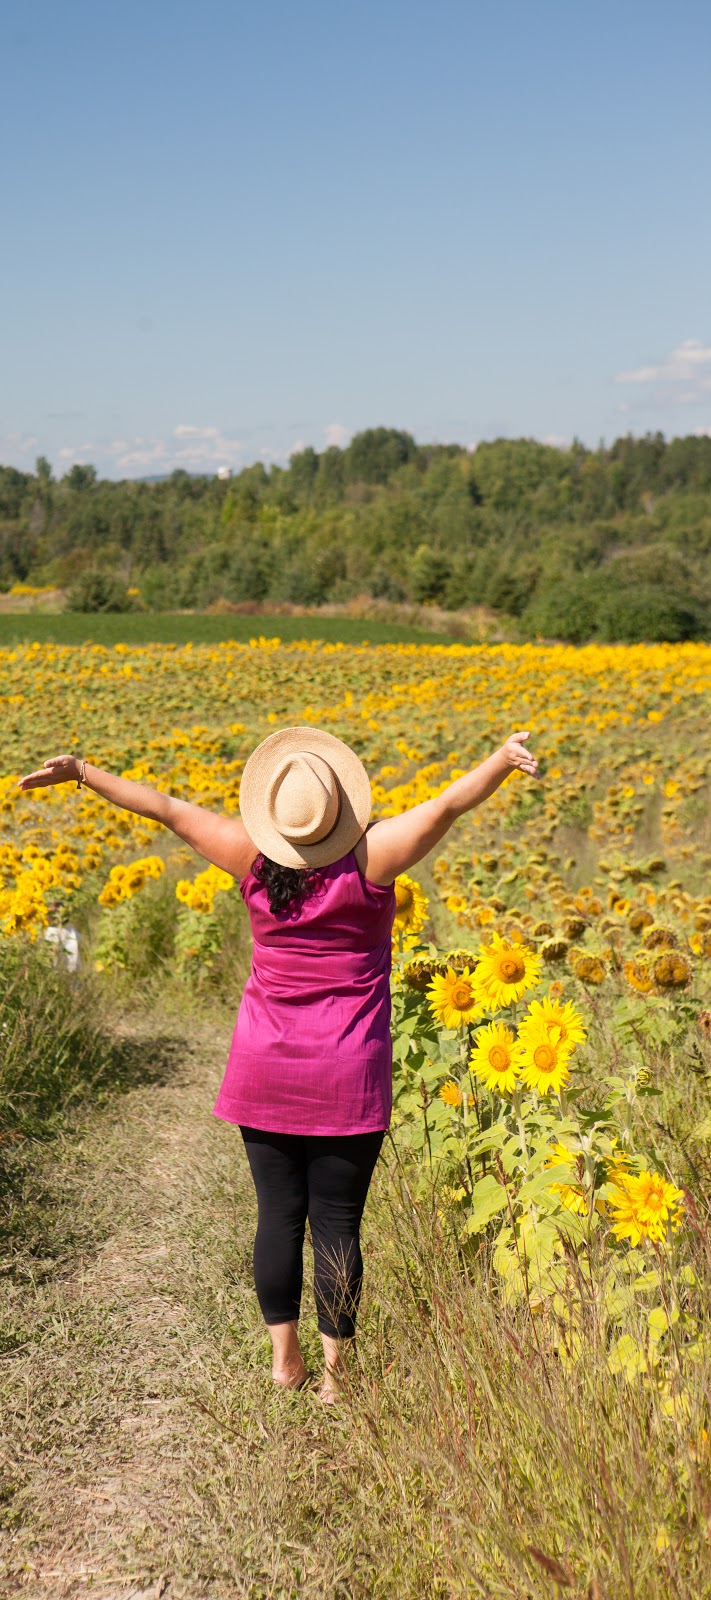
x=613, y=543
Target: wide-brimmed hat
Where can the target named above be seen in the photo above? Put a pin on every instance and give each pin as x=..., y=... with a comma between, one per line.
x=305, y=797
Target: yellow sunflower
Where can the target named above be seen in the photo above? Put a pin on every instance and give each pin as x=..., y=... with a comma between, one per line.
x=452, y=998
x=451, y=1094
x=505, y=970
x=496, y=1058
x=411, y=905
x=547, y=1014
x=642, y=1206
x=545, y=1059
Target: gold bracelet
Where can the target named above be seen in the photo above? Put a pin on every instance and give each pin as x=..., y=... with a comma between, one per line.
x=82, y=774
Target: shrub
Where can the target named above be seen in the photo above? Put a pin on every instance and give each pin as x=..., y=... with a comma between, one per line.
x=96, y=590
x=631, y=616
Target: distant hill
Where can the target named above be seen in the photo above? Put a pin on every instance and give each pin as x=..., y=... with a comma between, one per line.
x=612, y=543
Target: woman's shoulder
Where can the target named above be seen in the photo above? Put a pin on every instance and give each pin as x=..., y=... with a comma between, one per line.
x=360, y=859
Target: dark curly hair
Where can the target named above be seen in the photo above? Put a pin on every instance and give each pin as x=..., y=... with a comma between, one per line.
x=287, y=887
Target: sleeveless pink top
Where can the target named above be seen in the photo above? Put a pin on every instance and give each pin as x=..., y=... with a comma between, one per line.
x=311, y=1050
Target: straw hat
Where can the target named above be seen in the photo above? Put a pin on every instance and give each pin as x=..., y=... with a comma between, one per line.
x=305, y=797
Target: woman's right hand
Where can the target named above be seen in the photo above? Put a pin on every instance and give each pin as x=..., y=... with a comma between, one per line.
x=58, y=769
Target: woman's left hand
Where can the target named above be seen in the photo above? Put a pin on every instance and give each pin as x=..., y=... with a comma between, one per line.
x=517, y=755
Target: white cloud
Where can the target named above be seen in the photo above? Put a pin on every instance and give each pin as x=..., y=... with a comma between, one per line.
x=186, y=430
x=337, y=434
x=683, y=378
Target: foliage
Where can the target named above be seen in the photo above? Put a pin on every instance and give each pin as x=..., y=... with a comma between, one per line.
x=54, y=1049
x=96, y=590
x=510, y=526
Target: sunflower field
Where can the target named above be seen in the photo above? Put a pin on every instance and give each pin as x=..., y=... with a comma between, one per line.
x=551, y=988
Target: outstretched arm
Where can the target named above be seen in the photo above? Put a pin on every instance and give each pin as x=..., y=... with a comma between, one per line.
x=395, y=844
x=222, y=840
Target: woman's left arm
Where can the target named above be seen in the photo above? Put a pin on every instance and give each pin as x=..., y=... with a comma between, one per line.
x=395, y=844
x=222, y=840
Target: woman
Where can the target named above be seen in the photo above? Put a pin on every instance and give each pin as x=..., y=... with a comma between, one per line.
x=309, y=1076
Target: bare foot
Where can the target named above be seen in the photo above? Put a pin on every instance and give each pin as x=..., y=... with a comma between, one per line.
x=288, y=1365
x=332, y=1386
x=291, y=1375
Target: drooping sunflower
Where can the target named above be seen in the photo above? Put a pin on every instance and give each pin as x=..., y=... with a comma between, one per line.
x=411, y=905
x=642, y=1206
x=505, y=970
x=671, y=970
x=496, y=1058
x=571, y=1195
x=590, y=968
x=453, y=999
x=545, y=1060
x=550, y=1014
x=638, y=976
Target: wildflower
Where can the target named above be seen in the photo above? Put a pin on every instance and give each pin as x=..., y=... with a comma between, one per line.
x=452, y=998
x=671, y=970
x=411, y=903
x=704, y=1023
x=642, y=1206
x=496, y=1059
x=505, y=970
x=545, y=1059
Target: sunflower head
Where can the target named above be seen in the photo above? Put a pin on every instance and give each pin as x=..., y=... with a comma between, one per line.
x=453, y=999
x=451, y=1094
x=496, y=1058
x=671, y=970
x=590, y=969
x=644, y=1205
x=505, y=970
x=420, y=970
x=638, y=976
x=410, y=904
x=545, y=1058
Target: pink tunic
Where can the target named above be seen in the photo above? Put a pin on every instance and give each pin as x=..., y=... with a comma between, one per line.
x=311, y=1050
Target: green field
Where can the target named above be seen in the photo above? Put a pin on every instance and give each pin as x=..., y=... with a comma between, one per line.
x=175, y=627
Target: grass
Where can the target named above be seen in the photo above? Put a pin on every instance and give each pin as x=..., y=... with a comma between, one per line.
x=144, y=1444
x=137, y=628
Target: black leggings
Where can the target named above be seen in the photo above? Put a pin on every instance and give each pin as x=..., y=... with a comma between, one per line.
x=325, y=1178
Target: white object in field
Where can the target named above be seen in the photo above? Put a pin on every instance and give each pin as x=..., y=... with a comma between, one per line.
x=224, y=473
x=68, y=941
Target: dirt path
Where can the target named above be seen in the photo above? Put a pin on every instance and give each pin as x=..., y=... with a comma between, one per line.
x=144, y=1449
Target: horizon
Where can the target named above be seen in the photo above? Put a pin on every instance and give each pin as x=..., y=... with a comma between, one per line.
x=224, y=472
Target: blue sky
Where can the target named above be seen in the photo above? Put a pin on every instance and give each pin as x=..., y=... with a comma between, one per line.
x=234, y=229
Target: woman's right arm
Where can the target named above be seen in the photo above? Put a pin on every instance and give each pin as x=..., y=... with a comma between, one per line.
x=222, y=840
